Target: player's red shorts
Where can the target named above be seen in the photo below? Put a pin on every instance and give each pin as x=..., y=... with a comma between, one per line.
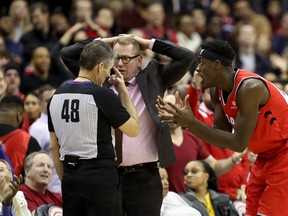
x=267, y=189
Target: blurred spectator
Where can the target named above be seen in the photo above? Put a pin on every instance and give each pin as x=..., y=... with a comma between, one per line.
x=32, y=109
x=20, y=15
x=41, y=61
x=58, y=24
x=66, y=35
x=264, y=46
x=134, y=17
x=270, y=76
x=2, y=43
x=186, y=33
x=5, y=57
x=274, y=12
x=173, y=204
x=82, y=12
x=280, y=41
x=18, y=143
x=79, y=36
x=38, y=172
x=281, y=64
x=13, y=198
x=199, y=15
x=13, y=80
x=186, y=6
x=40, y=34
x=155, y=27
x=71, y=36
x=39, y=130
x=214, y=30
x=15, y=49
x=3, y=85
x=223, y=11
x=246, y=56
x=104, y=18
x=117, y=7
x=244, y=14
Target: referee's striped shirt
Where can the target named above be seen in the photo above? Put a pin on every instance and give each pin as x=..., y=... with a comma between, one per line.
x=81, y=115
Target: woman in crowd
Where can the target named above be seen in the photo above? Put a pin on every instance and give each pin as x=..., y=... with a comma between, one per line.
x=201, y=182
x=173, y=204
x=12, y=201
x=32, y=108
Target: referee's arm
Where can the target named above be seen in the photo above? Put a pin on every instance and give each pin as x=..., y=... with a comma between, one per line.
x=54, y=147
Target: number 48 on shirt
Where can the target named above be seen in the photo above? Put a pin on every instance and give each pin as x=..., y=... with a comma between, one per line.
x=70, y=110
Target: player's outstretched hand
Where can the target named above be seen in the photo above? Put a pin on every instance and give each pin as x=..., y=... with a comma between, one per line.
x=177, y=113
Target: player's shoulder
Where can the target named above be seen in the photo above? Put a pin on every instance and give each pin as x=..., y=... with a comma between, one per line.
x=252, y=84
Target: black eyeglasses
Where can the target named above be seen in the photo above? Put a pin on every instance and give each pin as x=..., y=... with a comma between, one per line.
x=125, y=59
x=193, y=171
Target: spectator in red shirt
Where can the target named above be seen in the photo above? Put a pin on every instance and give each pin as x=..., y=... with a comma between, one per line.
x=38, y=173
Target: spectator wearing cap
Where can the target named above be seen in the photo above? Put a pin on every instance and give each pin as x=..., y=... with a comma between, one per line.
x=12, y=79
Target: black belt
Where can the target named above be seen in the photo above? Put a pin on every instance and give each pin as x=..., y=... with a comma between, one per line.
x=73, y=161
x=138, y=167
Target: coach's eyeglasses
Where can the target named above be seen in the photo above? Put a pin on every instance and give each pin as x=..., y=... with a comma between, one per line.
x=124, y=59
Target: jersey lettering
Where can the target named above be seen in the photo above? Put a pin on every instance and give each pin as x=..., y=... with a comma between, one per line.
x=231, y=120
x=71, y=113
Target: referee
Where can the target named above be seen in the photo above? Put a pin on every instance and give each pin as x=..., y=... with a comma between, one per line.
x=80, y=116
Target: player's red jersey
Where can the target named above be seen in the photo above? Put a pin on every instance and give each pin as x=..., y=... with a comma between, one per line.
x=272, y=127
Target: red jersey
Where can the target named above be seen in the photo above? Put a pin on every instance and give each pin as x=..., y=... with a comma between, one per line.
x=272, y=127
x=16, y=145
x=229, y=182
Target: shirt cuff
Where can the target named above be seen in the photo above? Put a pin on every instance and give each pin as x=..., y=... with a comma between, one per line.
x=152, y=41
x=7, y=210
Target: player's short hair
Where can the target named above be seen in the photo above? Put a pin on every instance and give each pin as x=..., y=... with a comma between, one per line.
x=219, y=47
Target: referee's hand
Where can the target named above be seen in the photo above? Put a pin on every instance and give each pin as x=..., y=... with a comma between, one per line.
x=117, y=80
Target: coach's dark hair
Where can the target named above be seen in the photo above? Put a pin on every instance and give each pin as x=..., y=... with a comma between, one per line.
x=12, y=102
x=222, y=48
x=95, y=53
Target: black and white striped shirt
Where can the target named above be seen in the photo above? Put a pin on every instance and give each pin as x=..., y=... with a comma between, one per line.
x=81, y=115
